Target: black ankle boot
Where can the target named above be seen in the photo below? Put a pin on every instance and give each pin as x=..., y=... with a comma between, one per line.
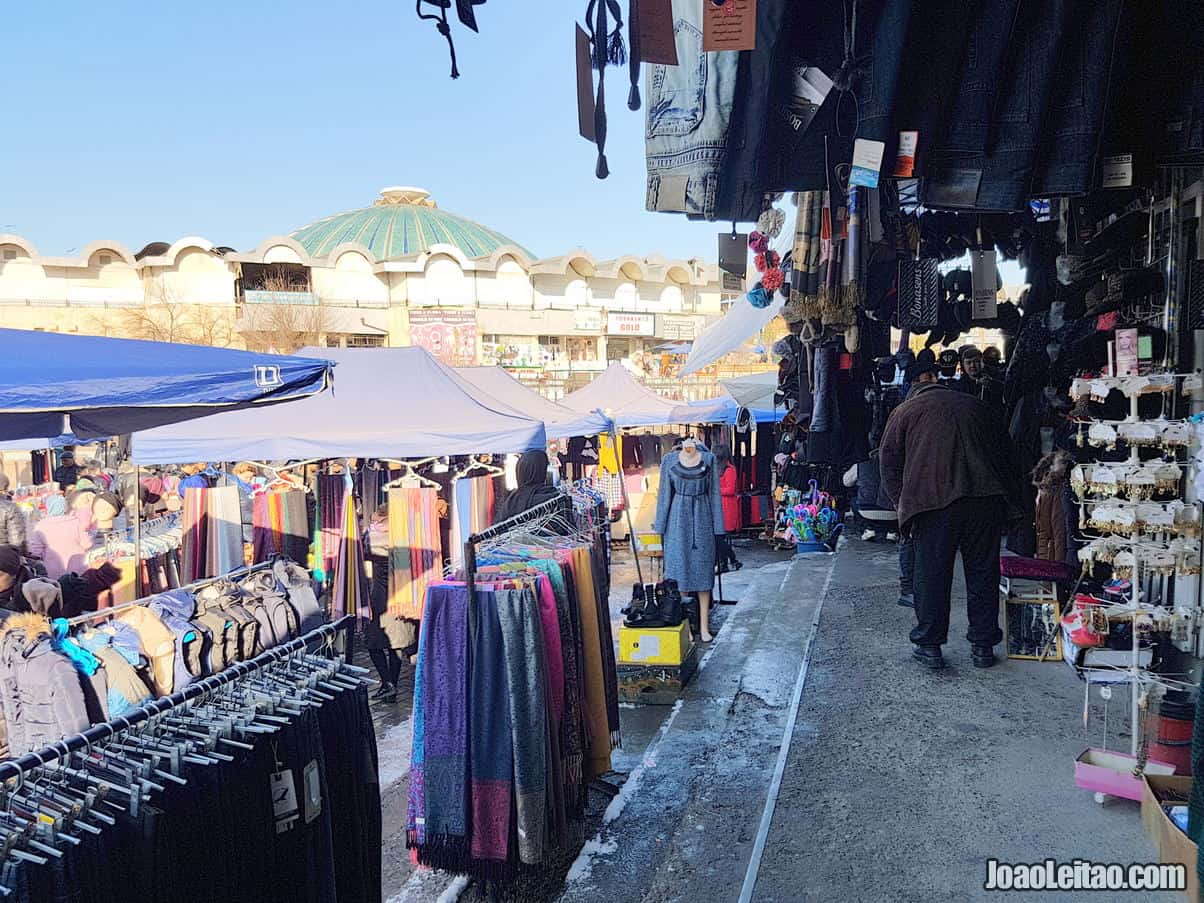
x=671, y=609
x=646, y=611
x=982, y=656
x=928, y=656
x=637, y=600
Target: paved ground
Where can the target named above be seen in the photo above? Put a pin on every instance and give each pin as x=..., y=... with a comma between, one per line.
x=898, y=785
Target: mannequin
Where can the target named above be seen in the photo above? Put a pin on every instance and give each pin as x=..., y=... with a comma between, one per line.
x=689, y=515
x=105, y=508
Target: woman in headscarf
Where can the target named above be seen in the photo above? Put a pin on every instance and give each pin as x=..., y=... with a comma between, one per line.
x=533, y=487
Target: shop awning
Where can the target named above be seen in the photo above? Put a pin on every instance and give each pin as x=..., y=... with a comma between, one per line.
x=756, y=392
x=559, y=422
x=739, y=324
x=19, y=445
x=628, y=402
x=51, y=383
x=387, y=403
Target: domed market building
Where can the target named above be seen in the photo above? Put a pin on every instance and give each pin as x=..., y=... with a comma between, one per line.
x=398, y=271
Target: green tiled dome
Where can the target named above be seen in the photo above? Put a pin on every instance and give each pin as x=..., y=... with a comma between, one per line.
x=402, y=223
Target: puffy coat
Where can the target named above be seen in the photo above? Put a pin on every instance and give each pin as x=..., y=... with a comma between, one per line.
x=12, y=525
x=40, y=690
x=1051, y=476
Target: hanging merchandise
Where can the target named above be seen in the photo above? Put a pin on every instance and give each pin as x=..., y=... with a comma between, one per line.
x=515, y=697
x=415, y=550
x=212, y=537
x=472, y=509
x=222, y=792
x=280, y=525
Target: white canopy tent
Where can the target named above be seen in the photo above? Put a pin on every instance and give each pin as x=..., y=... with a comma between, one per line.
x=560, y=422
x=388, y=403
x=628, y=402
x=739, y=324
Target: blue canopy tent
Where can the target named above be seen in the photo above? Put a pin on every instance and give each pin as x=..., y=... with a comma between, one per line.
x=559, y=422
x=389, y=403
x=52, y=384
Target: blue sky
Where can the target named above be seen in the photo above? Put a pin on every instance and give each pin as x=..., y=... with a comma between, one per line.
x=236, y=121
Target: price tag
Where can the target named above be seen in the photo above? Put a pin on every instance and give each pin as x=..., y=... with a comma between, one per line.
x=867, y=162
x=1117, y=171
x=312, y=779
x=905, y=159
x=284, y=800
x=985, y=281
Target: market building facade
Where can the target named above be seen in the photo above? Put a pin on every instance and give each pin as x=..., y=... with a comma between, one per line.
x=398, y=272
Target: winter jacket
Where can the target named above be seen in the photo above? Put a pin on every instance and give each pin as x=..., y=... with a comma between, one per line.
x=278, y=622
x=40, y=690
x=727, y=494
x=121, y=661
x=193, y=641
x=1051, y=477
x=295, y=581
x=61, y=543
x=941, y=446
x=92, y=677
x=158, y=645
x=12, y=525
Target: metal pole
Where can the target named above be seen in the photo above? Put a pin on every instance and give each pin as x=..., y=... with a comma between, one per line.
x=137, y=531
x=614, y=440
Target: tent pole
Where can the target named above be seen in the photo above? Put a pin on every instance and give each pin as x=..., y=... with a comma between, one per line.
x=614, y=441
x=137, y=531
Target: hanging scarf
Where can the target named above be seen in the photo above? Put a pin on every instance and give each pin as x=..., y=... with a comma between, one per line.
x=490, y=749
x=445, y=729
x=416, y=795
x=597, y=723
x=526, y=673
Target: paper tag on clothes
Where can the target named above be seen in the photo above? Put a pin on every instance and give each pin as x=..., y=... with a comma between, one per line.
x=729, y=24
x=905, y=157
x=811, y=88
x=985, y=282
x=585, y=87
x=1117, y=171
x=733, y=253
x=284, y=800
x=312, y=780
x=658, y=42
x=867, y=162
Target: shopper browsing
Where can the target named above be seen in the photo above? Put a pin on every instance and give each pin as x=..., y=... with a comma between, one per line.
x=948, y=466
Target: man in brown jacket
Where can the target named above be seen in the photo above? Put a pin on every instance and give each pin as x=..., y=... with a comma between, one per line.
x=947, y=466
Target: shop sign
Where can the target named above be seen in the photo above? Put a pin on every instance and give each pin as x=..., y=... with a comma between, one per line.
x=450, y=335
x=679, y=329
x=587, y=320
x=630, y=324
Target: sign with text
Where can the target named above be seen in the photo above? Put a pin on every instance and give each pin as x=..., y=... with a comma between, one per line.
x=630, y=324
x=729, y=25
x=450, y=335
x=587, y=320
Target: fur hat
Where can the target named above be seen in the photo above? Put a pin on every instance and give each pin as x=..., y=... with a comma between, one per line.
x=44, y=596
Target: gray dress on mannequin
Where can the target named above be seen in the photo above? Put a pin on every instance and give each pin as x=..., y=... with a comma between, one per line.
x=689, y=515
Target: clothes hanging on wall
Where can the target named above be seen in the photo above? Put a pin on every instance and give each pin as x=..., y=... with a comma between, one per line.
x=415, y=552
x=212, y=537
x=280, y=525
x=472, y=510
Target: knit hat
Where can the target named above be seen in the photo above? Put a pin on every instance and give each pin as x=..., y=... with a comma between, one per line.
x=10, y=561
x=925, y=362
x=110, y=498
x=44, y=596
x=56, y=505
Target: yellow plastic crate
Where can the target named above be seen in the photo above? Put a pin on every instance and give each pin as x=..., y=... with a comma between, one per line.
x=655, y=645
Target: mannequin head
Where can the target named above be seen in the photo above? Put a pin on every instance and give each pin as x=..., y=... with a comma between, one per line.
x=690, y=453
x=105, y=507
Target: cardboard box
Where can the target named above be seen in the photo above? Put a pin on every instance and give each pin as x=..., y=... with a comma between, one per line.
x=1172, y=844
x=655, y=645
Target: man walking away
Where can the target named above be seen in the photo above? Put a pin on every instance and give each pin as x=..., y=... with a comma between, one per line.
x=947, y=465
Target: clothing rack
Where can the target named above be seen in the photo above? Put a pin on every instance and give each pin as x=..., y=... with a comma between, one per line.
x=102, y=613
x=16, y=768
x=551, y=506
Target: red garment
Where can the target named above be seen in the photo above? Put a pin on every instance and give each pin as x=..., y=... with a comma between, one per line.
x=731, y=505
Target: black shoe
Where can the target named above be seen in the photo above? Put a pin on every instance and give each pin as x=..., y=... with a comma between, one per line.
x=929, y=656
x=384, y=691
x=907, y=600
x=982, y=656
x=671, y=609
x=736, y=565
x=648, y=614
x=637, y=600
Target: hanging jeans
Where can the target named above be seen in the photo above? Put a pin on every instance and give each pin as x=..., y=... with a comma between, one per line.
x=972, y=526
x=954, y=170
x=689, y=113
x=1082, y=84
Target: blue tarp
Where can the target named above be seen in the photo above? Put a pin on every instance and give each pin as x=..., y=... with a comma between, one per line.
x=64, y=441
x=387, y=403
x=91, y=386
x=559, y=422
